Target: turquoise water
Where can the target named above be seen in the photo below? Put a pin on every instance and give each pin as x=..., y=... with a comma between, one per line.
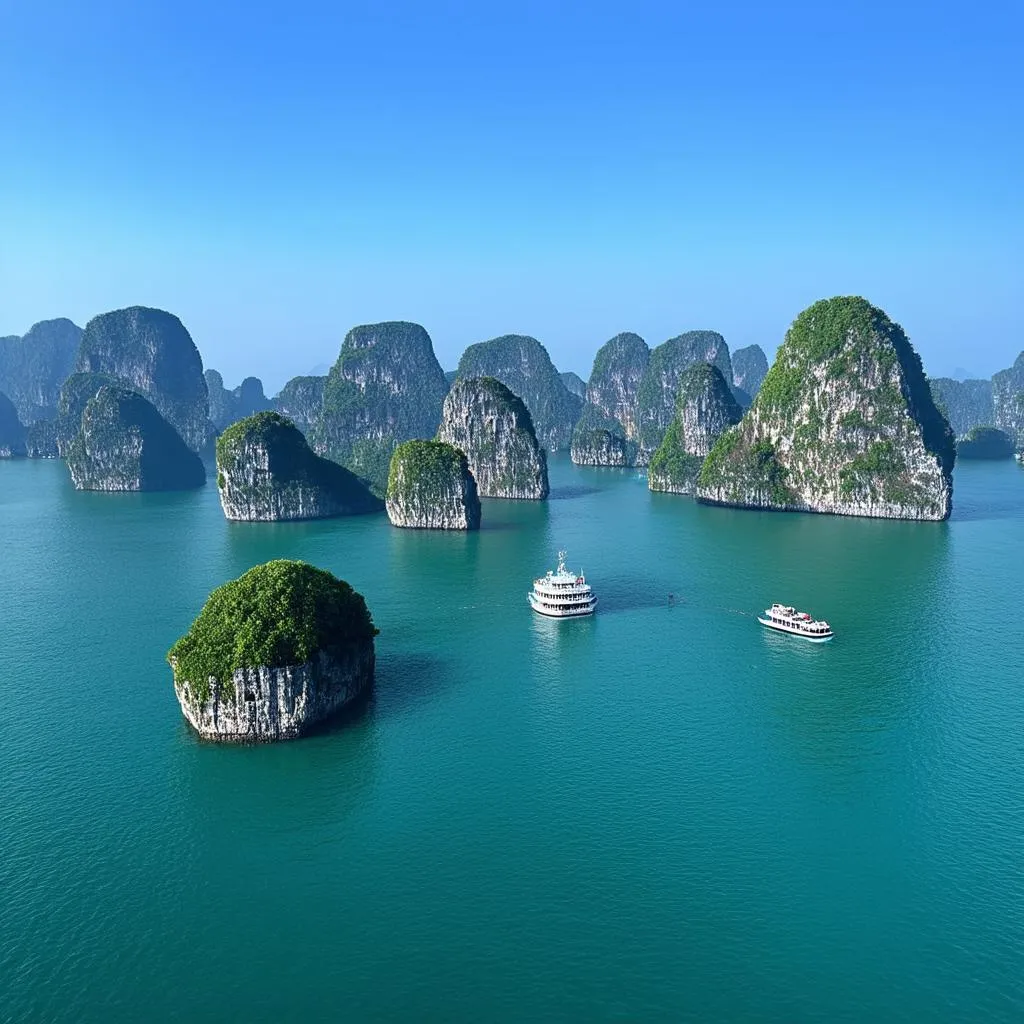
x=660, y=813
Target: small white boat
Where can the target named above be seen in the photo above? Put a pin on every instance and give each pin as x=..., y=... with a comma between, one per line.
x=562, y=594
x=787, y=619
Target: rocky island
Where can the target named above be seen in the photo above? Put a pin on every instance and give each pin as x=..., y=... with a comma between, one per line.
x=483, y=419
x=656, y=395
x=74, y=396
x=705, y=409
x=12, y=433
x=965, y=403
x=124, y=444
x=266, y=472
x=300, y=400
x=606, y=432
x=150, y=351
x=33, y=367
x=273, y=654
x=386, y=387
x=843, y=423
x=523, y=365
x=574, y=383
x=985, y=443
x=749, y=369
x=1008, y=401
x=430, y=487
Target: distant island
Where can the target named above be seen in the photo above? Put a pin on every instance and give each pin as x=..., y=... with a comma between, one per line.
x=430, y=487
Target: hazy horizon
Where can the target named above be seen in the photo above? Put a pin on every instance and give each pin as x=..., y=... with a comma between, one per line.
x=566, y=174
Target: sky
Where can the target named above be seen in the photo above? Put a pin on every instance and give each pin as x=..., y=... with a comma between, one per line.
x=277, y=173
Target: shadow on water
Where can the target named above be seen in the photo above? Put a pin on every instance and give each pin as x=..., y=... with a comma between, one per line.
x=405, y=680
x=635, y=595
x=569, y=491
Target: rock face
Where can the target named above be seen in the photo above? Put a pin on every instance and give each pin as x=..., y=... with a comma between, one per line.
x=41, y=440
x=12, y=433
x=267, y=473
x=599, y=440
x=656, y=395
x=386, y=387
x=965, y=403
x=151, y=352
x=574, y=383
x=33, y=368
x=430, y=487
x=844, y=423
x=74, y=396
x=705, y=409
x=1008, y=400
x=606, y=432
x=985, y=443
x=223, y=407
x=523, y=365
x=301, y=400
x=484, y=420
x=272, y=654
x=124, y=444
x=227, y=407
x=749, y=368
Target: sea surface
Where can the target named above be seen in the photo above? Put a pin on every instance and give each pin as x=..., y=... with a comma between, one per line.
x=662, y=813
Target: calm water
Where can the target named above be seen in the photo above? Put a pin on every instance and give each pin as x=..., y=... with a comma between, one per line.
x=661, y=813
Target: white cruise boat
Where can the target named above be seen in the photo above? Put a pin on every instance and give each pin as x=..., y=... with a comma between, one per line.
x=788, y=620
x=562, y=594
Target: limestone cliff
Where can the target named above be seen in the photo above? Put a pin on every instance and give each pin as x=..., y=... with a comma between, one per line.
x=223, y=406
x=749, y=369
x=574, y=383
x=599, y=440
x=493, y=428
x=301, y=400
x=41, y=440
x=656, y=395
x=430, y=486
x=965, y=403
x=705, y=409
x=150, y=351
x=266, y=472
x=386, y=387
x=33, y=368
x=985, y=443
x=1008, y=401
x=844, y=423
x=74, y=396
x=12, y=433
x=274, y=653
x=523, y=365
x=124, y=444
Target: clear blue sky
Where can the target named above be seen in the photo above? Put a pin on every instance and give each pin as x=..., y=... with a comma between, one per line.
x=274, y=174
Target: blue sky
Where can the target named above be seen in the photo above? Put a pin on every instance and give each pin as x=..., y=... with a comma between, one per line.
x=274, y=174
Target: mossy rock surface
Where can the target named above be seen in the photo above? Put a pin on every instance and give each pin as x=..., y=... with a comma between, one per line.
x=844, y=422
x=278, y=614
x=430, y=486
x=267, y=472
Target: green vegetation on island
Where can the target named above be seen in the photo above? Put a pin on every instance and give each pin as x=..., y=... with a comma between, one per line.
x=278, y=614
x=705, y=409
x=151, y=352
x=493, y=428
x=301, y=400
x=1008, y=401
x=430, y=486
x=124, y=444
x=600, y=440
x=267, y=472
x=844, y=422
x=523, y=365
x=965, y=403
x=386, y=387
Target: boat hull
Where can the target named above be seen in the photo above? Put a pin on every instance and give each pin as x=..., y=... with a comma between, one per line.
x=791, y=631
x=561, y=613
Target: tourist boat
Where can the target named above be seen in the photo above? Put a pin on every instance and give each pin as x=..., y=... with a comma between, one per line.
x=562, y=594
x=788, y=620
